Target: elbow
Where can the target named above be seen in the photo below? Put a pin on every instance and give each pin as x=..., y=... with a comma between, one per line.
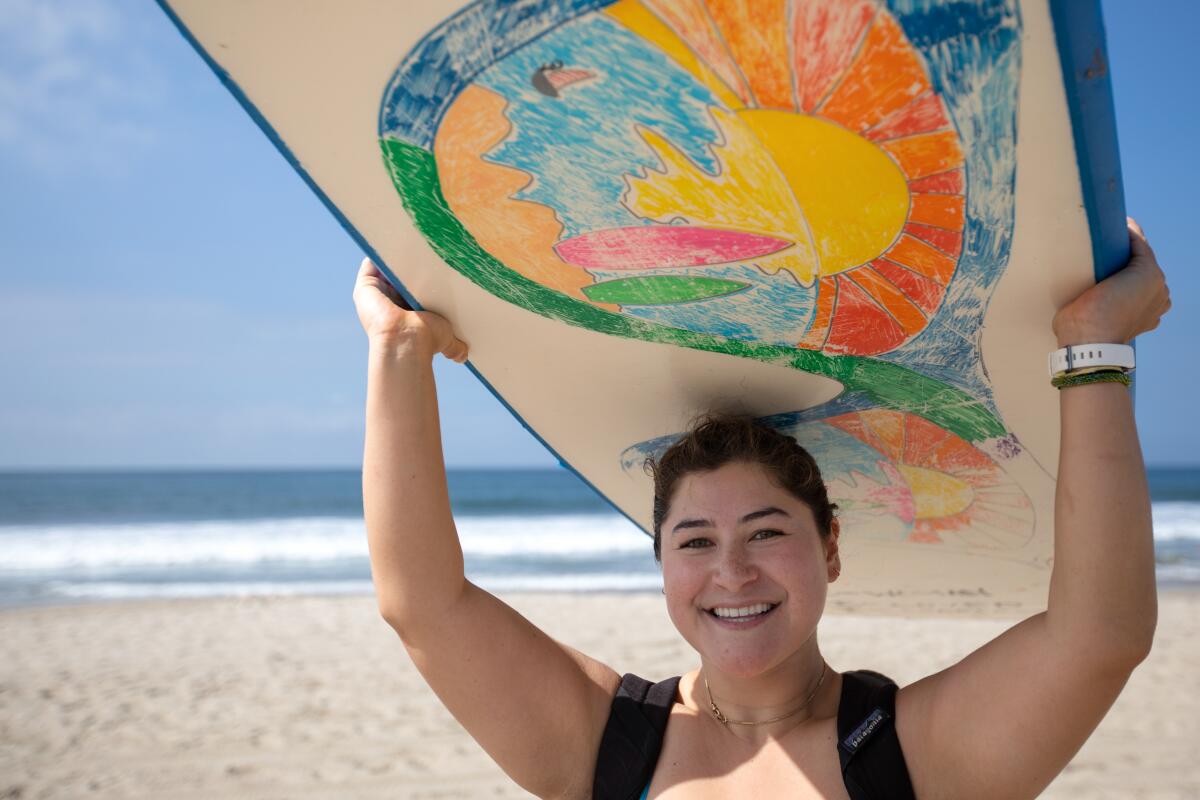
x=390, y=615
x=398, y=614
x=1141, y=646
x=417, y=614
x=1133, y=648
x=1132, y=657
x=1109, y=646
x=391, y=609
x=401, y=626
x=1142, y=642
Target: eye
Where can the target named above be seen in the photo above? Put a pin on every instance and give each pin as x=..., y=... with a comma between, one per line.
x=688, y=544
x=772, y=532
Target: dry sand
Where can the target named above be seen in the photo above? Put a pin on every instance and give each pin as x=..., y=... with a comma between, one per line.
x=315, y=697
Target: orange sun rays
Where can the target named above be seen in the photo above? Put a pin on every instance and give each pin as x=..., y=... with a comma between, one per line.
x=849, y=63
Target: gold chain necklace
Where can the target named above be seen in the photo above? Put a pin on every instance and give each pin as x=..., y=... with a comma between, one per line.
x=724, y=720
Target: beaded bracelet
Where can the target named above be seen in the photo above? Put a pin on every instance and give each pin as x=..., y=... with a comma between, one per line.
x=1099, y=376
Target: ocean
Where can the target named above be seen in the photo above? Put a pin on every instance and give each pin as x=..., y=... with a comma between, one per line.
x=68, y=537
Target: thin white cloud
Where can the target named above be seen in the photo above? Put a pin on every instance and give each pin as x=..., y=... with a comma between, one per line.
x=77, y=85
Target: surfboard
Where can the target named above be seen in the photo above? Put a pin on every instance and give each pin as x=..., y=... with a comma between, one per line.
x=852, y=219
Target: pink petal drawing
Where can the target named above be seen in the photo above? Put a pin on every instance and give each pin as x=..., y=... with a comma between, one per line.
x=657, y=247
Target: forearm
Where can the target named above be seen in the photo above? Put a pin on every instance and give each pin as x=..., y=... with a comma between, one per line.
x=416, y=558
x=1102, y=590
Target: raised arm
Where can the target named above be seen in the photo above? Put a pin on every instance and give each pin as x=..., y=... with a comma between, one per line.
x=416, y=558
x=538, y=707
x=1102, y=590
x=1006, y=720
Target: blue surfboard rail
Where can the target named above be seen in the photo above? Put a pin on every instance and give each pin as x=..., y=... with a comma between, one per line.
x=1079, y=34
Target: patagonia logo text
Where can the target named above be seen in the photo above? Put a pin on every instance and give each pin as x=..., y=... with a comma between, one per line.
x=863, y=732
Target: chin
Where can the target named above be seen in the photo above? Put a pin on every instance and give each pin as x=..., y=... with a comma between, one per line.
x=741, y=665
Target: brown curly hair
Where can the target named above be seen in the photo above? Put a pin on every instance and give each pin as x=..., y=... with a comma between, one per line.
x=715, y=440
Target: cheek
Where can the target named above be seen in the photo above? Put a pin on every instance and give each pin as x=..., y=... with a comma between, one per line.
x=684, y=588
x=684, y=582
x=803, y=560
x=681, y=577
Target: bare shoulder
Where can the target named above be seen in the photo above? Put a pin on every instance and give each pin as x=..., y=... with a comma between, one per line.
x=1005, y=720
x=537, y=705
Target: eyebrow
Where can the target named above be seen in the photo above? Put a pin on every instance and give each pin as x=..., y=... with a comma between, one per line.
x=705, y=523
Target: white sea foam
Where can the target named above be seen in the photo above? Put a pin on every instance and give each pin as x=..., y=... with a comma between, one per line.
x=1175, y=520
x=1178, y=573
x=128, y=590
x=328, y=555
x=119, y=590
x=316, y=540
x=157, y=545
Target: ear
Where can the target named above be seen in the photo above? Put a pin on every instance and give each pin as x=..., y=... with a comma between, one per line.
x=833, y=558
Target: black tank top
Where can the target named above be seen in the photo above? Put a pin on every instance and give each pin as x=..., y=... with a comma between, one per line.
x=873, y=765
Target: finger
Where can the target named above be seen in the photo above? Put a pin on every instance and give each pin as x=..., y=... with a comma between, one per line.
x=369, y=275
x=1138, y=244
x=457, y=351
x=372, y=285
x=366, y=269
x=443, y=333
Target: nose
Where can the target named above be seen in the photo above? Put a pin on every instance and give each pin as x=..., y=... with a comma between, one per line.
x=735, y=569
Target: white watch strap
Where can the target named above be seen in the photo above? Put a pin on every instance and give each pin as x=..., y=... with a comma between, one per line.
x=1085, y=356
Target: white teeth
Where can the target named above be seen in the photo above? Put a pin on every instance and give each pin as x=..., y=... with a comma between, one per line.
x=747, y=611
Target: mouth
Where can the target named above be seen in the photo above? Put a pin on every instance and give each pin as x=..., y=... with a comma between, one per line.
x=748, y=615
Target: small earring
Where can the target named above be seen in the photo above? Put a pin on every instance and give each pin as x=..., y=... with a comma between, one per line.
x=664, y=591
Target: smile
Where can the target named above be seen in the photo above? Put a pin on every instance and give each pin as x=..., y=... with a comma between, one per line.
x=741, y=618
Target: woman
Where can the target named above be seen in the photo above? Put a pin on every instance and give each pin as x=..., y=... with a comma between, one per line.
x=760, y=716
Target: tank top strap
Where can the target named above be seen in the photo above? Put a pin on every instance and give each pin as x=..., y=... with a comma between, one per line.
x=633, y=737
x=873, y=766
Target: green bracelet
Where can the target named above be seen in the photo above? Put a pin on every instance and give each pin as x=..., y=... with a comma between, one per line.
x=1103, y=376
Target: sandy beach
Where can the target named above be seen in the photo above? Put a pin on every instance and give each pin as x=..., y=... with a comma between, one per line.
x=314, y=697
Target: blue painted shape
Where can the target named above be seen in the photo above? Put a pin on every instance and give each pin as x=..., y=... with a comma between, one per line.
x=873, y=501
x=837, y=453
x=581, y=147
x=447, y=59
x=930, y=24
x=1079, y=34
x=840, y=455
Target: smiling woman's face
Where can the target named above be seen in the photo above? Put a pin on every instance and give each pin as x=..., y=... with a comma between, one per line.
x=735, y=538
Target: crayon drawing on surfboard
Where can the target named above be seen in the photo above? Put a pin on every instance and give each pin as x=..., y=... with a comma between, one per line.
x=821, y=213
x=826, y=196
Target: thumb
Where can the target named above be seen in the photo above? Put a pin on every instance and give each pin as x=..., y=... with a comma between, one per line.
x=444, y=339
x=1138, y=244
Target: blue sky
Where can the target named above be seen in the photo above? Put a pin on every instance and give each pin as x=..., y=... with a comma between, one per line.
x=172, y=294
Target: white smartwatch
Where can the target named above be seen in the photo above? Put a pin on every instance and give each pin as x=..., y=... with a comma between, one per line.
x=1090, y=356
